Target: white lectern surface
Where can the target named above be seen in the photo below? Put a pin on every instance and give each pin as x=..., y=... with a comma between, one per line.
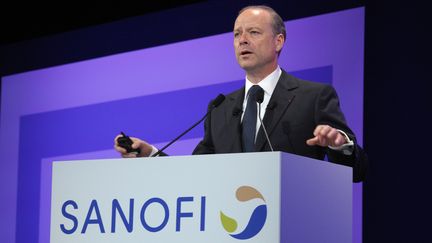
x=250, y=197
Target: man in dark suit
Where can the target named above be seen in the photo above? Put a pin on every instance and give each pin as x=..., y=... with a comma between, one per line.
x=301, y=117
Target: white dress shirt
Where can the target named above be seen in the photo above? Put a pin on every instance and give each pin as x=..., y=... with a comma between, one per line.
x=268, y=84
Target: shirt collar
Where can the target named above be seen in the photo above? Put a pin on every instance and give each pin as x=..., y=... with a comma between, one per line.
x=268, y=84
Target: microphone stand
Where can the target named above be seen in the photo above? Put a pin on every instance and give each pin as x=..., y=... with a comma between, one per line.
x=181, y=135
x=259, y=98
x=216, y=102
x=264, y=129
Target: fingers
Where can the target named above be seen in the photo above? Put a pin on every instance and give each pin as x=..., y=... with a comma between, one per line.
x=332, y=136
x=142, y=145
x=123, y=151
x=117, y=147
x=129, y=155
x=136, y=142
x=321, y=130
x=120, y=149
x=339, y=141
x=313, y=141
x=115, y=139
x=326, y=135
x=321, y=133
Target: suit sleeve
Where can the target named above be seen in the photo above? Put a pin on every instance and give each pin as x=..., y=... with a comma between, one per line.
x=328, y=112
x=205, y=146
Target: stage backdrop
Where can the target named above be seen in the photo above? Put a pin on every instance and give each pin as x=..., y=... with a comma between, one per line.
x=74, y=111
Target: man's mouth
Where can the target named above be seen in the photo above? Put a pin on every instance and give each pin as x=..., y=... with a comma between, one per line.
x=242, y=53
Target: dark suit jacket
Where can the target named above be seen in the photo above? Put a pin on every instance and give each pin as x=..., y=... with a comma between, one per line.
x=295, y=109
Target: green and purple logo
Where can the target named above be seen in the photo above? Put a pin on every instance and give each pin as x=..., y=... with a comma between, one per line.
x=257, y=219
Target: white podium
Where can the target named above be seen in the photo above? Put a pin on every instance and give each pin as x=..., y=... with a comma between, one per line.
x=249, y=197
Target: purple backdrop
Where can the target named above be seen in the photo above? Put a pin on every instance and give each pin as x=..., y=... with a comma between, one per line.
x=81, y=106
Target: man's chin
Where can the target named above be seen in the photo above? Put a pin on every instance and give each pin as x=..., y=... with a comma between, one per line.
x=247, y=65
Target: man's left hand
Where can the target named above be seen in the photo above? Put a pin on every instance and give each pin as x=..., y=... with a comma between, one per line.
x=326, y=135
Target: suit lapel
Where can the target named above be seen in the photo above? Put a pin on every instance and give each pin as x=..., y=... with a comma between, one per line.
x=233, y=115
x=279, y=102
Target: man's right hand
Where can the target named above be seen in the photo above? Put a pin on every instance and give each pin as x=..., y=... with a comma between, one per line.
x=145, y=148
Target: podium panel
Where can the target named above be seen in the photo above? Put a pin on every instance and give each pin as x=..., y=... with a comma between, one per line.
x=257, y=197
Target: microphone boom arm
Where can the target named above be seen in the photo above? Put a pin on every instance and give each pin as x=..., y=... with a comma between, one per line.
x=181, y=135
x=264, y=129
x=216, y=102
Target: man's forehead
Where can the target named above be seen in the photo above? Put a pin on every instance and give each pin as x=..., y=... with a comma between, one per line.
x=251, y=18
x=251, y=25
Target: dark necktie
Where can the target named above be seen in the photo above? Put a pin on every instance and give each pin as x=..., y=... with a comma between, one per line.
x=249, y=121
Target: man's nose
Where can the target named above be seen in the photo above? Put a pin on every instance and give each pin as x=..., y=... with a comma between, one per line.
x=243, y=39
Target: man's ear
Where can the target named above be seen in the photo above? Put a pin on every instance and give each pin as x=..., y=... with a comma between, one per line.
x=280, y=40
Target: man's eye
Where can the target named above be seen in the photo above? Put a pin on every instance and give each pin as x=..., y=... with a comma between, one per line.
x=254, y=32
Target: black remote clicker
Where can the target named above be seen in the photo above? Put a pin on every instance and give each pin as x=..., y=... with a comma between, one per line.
x=126, y=143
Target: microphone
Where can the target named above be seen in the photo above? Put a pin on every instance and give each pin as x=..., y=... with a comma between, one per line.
x=216, y=102
x=237, y=111
x=259, y=98
x=271, y=106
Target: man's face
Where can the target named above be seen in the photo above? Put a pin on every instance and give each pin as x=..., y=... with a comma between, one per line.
x=255, y=44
